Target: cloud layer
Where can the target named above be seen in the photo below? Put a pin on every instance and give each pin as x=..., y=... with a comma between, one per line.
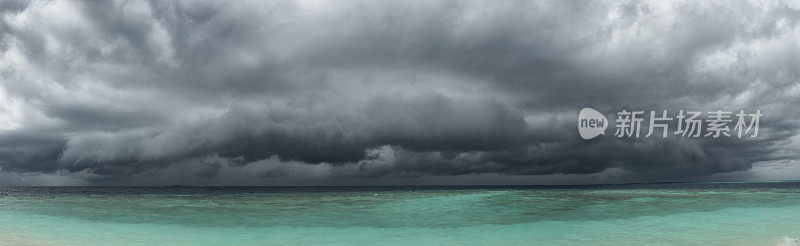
x=111, y=90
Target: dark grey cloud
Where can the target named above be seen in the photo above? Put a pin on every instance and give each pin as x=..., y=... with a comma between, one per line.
x=109, y=91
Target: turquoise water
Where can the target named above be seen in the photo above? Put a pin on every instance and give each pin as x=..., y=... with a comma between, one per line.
x=616, y=215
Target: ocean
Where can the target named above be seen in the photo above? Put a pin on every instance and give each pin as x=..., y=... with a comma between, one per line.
x=760, y=213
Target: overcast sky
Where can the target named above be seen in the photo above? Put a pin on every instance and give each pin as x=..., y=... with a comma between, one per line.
x=388, y=92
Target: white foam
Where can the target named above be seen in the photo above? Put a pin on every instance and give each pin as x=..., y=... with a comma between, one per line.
x=788, y=241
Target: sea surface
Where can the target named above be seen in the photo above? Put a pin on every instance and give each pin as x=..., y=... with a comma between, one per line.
x=763, y=213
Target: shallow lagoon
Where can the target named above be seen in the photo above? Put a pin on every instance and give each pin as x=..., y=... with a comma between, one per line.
x=638, y=214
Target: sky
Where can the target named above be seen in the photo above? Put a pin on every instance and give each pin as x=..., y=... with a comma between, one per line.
x=389, y=92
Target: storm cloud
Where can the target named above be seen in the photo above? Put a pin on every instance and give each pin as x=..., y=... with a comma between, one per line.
x=329, y=90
